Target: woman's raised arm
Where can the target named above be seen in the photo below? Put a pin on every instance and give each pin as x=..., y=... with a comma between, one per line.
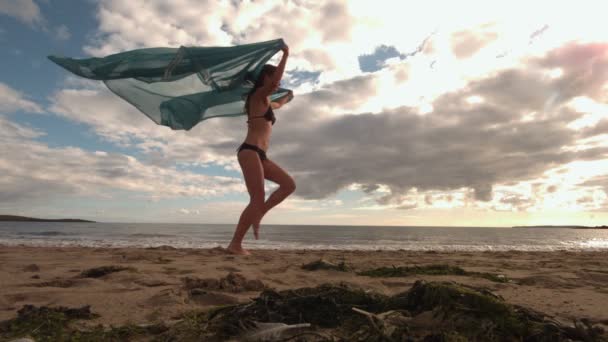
x=278, y=74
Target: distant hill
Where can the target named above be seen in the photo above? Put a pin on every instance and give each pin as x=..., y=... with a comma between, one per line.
x=32, y=219
x=571, y=227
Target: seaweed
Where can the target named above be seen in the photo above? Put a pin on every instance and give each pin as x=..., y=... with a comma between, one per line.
x=52, y=324
x=436, y=269
x=326, y=265
x=428, y=311
x=101, y=271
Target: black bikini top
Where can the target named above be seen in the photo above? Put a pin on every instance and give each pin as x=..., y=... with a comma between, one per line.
x=269, y=115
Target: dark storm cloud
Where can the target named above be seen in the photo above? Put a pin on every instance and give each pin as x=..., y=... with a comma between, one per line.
x=457, y=145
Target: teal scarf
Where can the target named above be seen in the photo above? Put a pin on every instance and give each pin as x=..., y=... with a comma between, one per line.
x=180, y=87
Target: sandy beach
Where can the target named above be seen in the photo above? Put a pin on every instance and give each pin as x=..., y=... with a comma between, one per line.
x=153, y=286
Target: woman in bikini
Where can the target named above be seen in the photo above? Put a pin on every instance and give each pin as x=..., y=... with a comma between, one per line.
x=251, y=154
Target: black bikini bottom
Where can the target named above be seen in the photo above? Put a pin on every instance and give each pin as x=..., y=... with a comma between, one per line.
x=246, y=146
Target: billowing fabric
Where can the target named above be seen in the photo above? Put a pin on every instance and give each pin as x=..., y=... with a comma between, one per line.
x=180, y=87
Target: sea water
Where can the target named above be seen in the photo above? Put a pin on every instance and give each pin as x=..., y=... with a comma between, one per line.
x=302, y=236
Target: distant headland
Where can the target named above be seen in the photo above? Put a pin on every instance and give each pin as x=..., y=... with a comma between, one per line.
x=33, y=219
x=571, y=227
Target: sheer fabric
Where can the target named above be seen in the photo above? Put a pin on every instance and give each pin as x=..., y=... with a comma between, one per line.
x=180, y=87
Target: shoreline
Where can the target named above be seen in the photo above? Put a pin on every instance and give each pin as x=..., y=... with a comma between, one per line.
x=265, y=248
x=564, y=284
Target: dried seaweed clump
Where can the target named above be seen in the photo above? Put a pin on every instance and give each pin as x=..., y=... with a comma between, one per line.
x=405, y=271
x=326, y=265
x=101, y=271
x=435, y=311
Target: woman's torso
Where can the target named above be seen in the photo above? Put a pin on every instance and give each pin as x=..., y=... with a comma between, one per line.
x=258, y=129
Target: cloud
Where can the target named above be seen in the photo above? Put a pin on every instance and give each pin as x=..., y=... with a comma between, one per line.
x=467, y=43
x=28, y=12
x=335, y=21
x=327, y=146
x=118, y=122
x=62, y=32
x=25, y=11
x=49, y=173
x=461, y=151
x=12, y=100
x=459, y=144
x=310, y=28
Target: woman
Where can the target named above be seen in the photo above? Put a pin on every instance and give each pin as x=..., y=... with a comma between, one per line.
x=252, y=154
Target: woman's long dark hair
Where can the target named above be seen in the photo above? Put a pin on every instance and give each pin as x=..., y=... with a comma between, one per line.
x=267, y=69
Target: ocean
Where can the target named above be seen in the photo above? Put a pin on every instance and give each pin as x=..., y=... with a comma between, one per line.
x=302, y=236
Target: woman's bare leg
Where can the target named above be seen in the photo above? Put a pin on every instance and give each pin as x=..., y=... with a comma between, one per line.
x=287, y=186
x=254, y=180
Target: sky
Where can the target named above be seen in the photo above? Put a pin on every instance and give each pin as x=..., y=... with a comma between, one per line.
x=426, y=113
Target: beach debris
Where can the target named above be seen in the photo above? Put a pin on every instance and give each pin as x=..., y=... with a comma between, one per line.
x=390, y=325
x=31, y=268
x=43, y=322
x=35, y=276
x=325, y=265
x=271, y=331
x=52, y=324
x=101, y=271
x=325, y=306
x=429, y=311
x=434, y=269
x=233, y=282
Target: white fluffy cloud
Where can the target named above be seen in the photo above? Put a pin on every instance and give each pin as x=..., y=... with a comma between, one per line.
x=12, y=100
x=54, y=172
x=34, y=173
x=28, y=12
x=24, y=10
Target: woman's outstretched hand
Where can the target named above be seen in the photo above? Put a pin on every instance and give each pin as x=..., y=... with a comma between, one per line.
x=285, y=49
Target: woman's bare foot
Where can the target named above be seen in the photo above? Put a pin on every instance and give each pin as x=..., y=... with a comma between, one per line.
x=238, y=250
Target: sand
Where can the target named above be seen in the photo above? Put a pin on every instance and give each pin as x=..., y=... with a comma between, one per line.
x=562, y=284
